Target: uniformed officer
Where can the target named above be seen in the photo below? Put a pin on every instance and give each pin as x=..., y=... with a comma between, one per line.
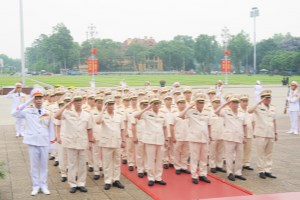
x=187, y=92
x=178, y=129
x=78, y=132
x=244, y=102
x=38, y=135
x=138, y=130
x=235, y=132
x=219, y=89
x=198, y=137
x=112, y=138
x=265, y=133
x=294, y=107
x=154, y=137
x=18, y=98
x=216, y=146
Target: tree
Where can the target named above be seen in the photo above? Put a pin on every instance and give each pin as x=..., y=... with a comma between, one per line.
x=206, y=52
x=240, y=46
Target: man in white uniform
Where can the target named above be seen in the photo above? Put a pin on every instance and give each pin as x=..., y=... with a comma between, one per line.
x=17, y=97
x=38, y=135
x=293, y=106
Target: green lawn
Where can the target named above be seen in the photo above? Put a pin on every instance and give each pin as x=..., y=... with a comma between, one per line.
x=139, y=80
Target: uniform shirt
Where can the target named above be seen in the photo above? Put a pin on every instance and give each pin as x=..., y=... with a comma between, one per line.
x=180, y=127
x=39, y=125
x=264, y=121
x=76, y=126
x=110, y=133
x=129, y=118
x=17, y=99
x=217, y=126
x=234, y=125
x=169, y=113
x=198, y=125
x=293, y=101
x=154, y=127
x=140, y=126
x=249, y=122
x=95, y=113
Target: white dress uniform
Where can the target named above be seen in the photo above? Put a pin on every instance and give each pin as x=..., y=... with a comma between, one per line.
x=38, y=135
x=110, y=142
x=257, y=91
x=294, y=108
x=17, y=99
x=130, y=147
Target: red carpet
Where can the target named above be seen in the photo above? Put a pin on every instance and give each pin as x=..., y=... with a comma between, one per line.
x=277, y=196
x=180, y=187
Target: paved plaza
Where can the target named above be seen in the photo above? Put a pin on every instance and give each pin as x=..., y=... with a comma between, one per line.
x=17, y=184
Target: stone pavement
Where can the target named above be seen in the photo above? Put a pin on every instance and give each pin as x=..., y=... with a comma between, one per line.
x=17, y=184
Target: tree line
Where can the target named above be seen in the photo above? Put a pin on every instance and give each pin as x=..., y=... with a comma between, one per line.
x=202, y=54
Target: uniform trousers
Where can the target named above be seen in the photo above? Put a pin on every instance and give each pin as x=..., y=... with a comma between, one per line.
x=141, y=157
x=168, y=157
x=90, y=157
x=111, y=164
x=38, y=166
x=216, y=153
x=231, y=149
x=130, y=151
x=264, y=148
x=247, y=152
x=96, y=155
x=294, y=120
x=63, y=160
x=181, y=155
x=154, y=155
x=20, y=126
x=198, y=152
x=77, y=167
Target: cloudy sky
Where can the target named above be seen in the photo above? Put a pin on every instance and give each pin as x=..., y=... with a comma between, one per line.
x=161, y=19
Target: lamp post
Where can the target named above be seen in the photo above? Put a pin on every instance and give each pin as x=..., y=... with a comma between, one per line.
x=225, y=35
x=90, y=36
x=253, y=14
x=22, y=43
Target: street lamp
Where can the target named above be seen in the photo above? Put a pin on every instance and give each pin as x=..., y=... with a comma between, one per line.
x=22, y=43
x=253, y=14
x=90, y=37
x=225, y=35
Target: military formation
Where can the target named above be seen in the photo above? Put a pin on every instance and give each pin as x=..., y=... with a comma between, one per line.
x=148, y=129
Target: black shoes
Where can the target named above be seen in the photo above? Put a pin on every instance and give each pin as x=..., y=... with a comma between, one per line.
x=124, y=161
x=107, y=186
x=185, y=171
x=82, y=189
x=141, y=175
x=204, y=179
x=51, y=158
x=231, y=177
x=56, y=163
x=161, y=182
x=178, y=171
x=220, y=169
x=72, y=189
x=96, y=177
x=118, y=184
x=195, y=180
x=130, y=168
x=171, y=165
x=240, y=177
x=269, y=175
x=262, y=175
x=63, y=179
x=91, y=169
x=213, y=170
x=248, y=168
x=166, y=166
x=150, y=183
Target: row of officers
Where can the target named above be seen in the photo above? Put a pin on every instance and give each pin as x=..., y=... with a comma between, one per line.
x=147, y=130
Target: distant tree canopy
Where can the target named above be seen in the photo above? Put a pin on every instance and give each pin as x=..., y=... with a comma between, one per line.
x=203, y=54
